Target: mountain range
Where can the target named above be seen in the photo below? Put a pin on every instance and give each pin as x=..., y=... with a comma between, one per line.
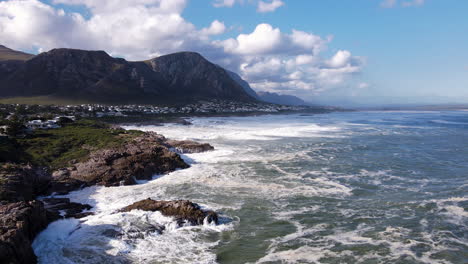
x=96, y=76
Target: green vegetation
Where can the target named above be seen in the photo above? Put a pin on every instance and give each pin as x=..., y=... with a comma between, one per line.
x=57, y=147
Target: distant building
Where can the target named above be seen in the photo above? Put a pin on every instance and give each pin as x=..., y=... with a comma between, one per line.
x=39, y=124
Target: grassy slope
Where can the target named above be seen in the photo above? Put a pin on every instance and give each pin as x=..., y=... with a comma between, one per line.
x=57, y=147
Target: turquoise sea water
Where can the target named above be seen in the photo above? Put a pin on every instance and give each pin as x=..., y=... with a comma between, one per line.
x=355, y=187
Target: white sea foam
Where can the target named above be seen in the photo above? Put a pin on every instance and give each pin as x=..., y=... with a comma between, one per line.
x=396, y=239
x=445, y=122
x=250, y=163
x=249, y=129
x=122, y=238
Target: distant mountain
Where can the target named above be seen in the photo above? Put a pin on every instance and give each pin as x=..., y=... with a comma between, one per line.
x=244, y=84
x=268, y=97
x=96, y=76
x=9, y=54
x=280, y=98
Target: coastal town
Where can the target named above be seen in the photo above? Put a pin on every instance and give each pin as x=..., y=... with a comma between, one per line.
x=52, y=116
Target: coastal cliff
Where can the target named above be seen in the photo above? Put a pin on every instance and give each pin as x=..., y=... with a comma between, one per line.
x=139, y=157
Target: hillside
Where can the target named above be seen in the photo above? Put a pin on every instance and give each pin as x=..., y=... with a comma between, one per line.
x=81, y=75
x=280, y=99
x=9, y=54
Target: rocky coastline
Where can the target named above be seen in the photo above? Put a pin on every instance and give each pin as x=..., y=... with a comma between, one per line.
x=28, y=205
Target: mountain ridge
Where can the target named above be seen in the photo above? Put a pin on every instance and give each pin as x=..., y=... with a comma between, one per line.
x=10, y=54
x=182, y=77
x=284, y=99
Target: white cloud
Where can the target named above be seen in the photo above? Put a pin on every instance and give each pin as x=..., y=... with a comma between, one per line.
x=263, y=40
x=363, y=85
x=266, y=57
x=216, y=28
x=135, y=29
x=304, y=59
x=340, y=59
x=263, y=6
x=268, y=40
x=394, y=3
x=224, y=3
x=388, y=3
x=270, y=6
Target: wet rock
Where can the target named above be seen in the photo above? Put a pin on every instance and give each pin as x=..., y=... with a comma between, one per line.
x=140, y=159
x=19, y=223
x=62, y=183
x=187, y=146
x=182, y=210
x=22, y=182
x=68, y=209
x=185, y=122
x=112, y=233
x=140, y=232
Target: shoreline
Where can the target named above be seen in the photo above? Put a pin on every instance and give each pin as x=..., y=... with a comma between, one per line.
x=43, y=207
x=182, y=118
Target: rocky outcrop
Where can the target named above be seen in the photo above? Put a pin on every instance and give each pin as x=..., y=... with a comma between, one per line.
x=190, y=76
x=139, y=159
x=184, y=211
x=188, y=146
x=19, y=223
x=65, y=208
x=22, y=218
x=22, y=182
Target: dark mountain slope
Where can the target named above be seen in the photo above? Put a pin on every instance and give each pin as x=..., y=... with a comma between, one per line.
x=96, y=76
x=244, y=84
x=11, y=60
x=188, y=74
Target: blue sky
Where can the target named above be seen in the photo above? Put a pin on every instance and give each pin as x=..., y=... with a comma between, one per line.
x=358, y=50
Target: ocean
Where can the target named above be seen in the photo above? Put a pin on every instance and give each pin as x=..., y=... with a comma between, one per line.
x=344, y=187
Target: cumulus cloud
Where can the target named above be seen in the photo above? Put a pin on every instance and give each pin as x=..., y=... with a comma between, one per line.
x=263, y=6
x=271, y=6
x=272, y=60
x=268, y=58
x=268, y=40
x=216, y=28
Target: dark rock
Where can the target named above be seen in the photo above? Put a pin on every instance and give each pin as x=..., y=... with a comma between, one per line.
x=112, y=233
x=19, y=223
x=71, y=209
x=185, y=122
x=140, y=232
x=182, y=210
x=140, y=159
x=187, y=146
x=22, y=182
x=62, y=183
